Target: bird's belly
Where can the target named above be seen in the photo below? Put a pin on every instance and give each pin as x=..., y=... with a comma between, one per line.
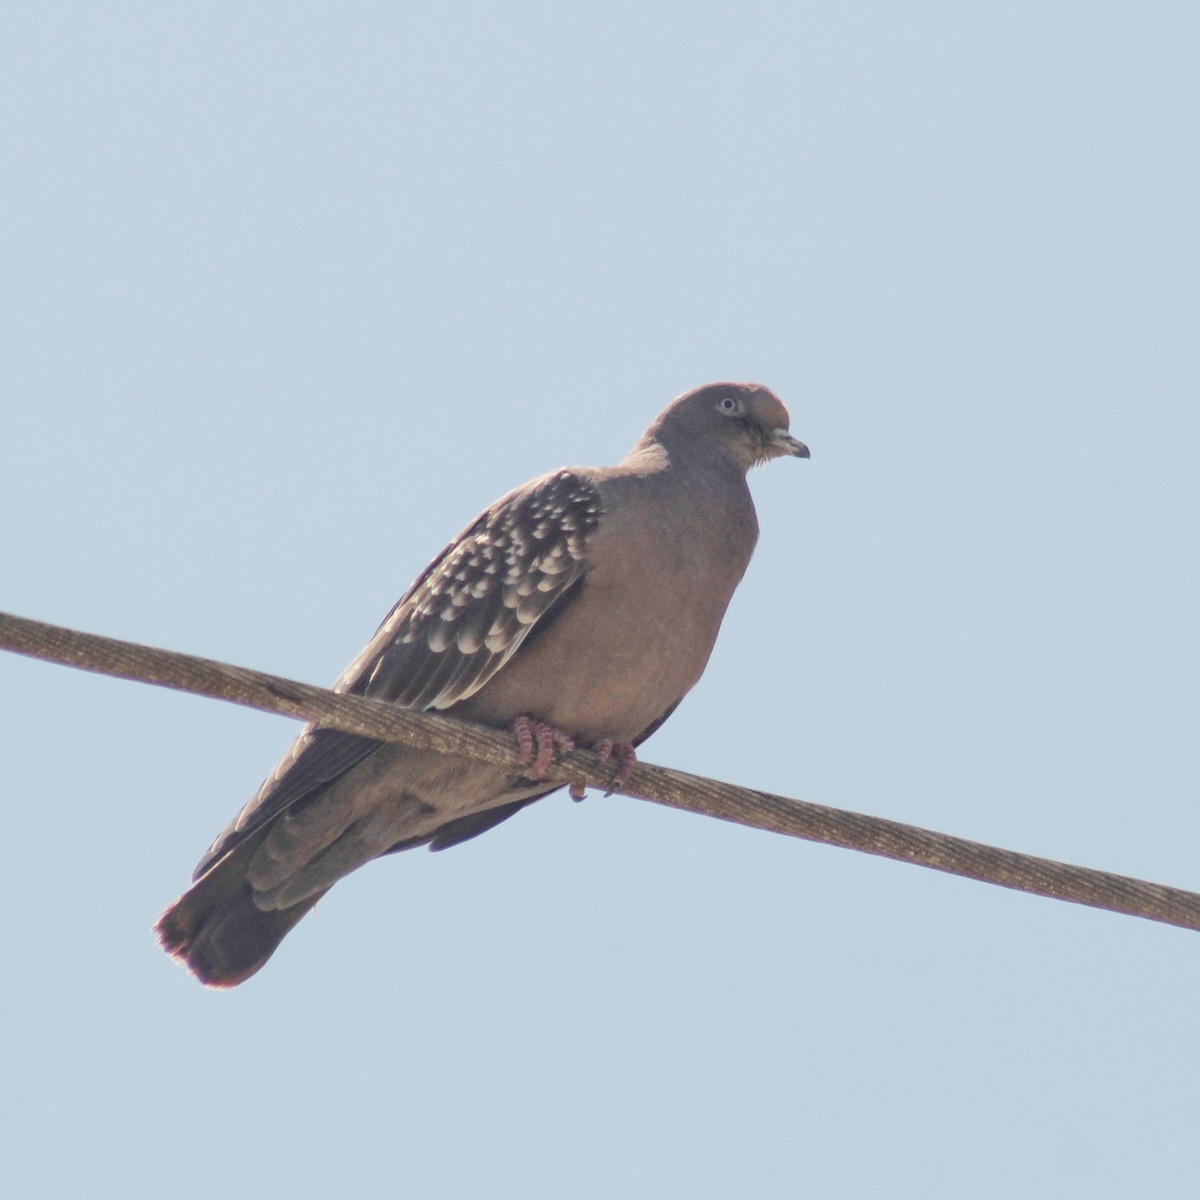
x=608, y=667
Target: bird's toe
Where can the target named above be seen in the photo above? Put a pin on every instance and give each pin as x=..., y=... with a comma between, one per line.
x=537, y=744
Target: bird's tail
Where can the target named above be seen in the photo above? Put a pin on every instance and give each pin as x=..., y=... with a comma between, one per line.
x=217, y=931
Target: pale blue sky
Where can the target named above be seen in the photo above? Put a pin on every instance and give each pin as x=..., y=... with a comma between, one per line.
x=291, y=291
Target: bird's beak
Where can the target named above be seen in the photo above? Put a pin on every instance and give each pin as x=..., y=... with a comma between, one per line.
x=783, y=443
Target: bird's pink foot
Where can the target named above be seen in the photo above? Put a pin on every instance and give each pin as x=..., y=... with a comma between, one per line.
x=626, y=757
x=537, y=743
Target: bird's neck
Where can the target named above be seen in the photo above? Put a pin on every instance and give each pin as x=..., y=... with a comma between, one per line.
x=684, y=458
x=701, y=484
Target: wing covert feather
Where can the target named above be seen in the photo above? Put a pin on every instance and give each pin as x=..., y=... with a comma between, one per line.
x=478, y=601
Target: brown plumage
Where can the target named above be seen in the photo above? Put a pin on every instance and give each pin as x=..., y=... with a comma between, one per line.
x=588, y=599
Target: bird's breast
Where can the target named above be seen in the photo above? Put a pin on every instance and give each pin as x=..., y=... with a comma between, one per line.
x=633, y=639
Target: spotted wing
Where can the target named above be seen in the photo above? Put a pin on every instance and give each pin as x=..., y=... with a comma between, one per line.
x=481, y=597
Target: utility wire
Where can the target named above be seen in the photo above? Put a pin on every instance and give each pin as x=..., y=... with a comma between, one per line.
x=675, y=789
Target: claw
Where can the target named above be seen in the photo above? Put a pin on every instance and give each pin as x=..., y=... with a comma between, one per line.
x=626, y=760
x=537, y=743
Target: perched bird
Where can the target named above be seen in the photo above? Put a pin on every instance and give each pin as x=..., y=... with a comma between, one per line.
x=578, y=609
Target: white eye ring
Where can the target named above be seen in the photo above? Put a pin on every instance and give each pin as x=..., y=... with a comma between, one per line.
x=727, y=404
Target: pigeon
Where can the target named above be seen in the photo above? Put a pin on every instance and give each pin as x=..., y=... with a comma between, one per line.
x=579, y=609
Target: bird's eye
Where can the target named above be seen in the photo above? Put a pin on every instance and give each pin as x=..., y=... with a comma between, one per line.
x=727, y=404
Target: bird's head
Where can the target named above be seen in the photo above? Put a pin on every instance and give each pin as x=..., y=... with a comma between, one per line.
x=743, y=422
